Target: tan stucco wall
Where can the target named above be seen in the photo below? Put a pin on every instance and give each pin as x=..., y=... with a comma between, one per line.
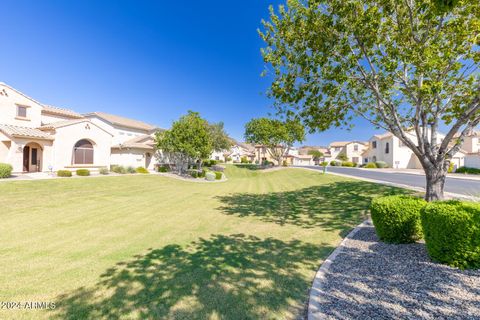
x=132, y=158
x=8, y=109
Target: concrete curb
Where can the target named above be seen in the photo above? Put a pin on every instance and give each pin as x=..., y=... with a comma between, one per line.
x=316, y=292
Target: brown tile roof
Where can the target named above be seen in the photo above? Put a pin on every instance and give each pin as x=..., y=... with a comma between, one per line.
x=140, y=142
x=339, y=143
x=61, y=112
x=59, y=124
x=121, y=121
x=24, y=132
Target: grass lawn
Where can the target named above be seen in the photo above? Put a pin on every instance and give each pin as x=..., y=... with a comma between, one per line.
x=147, y=246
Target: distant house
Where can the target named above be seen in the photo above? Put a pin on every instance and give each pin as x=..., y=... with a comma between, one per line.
x=353, y=150
x=237, y=151
x=471, y=146
x=388, y=148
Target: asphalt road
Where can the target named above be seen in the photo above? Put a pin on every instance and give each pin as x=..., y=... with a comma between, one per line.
x=452, y=185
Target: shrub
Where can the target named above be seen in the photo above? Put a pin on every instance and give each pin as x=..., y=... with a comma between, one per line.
x=284, y=163
x=103, y=171
x=82, y=172
x=452, y=233
x=64, y=173
x=342, y=157
x=163, y=168
x=348, y=164
x=397, y=218
x=210, y=176
x=335, y=163
x=381, y=164
x=243, y=160
x=451, y=166
x=193, y=173
x=202, y=173
x=209, y=163
x=218, y=175
x=228, y=159
x=323, y=163
x=5, y=170
x=118, y=169
x=370, y=165
x=131, y=170
x=468, y=170
x=142, y=170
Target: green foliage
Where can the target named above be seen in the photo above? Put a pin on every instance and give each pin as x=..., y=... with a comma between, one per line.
x=451, y=166
x=316, y=154
x=210, y=176
x=5, y=170
x=277, y=136
x=397, y=218
x=371, y=165
x=381, y=164
x=468, y=170
x=64, y=173
x=163, y=168
x=103, y=171
x=142, y=170
x=348, y=164
x=218, y=175
x=118, y=169
x=323, y=163
x=284, y=163
x=452, y=233
x=342, y=156
x=82, y=172
x=130, y=169
x=220, y=139
x=209, y=163
x=243, y=160
x=190, y=136
x=335, y=163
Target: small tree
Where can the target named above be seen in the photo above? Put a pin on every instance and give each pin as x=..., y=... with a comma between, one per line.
x=316, y=155
x=220, y=139
x=406, y=66
x=188, y=141
x=275, y=135
x=342, y=156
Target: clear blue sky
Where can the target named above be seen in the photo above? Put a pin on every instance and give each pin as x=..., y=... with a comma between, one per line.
x=149, y=60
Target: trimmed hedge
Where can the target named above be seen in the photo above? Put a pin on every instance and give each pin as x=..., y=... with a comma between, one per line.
x=468, y=170
x=218, y=175
x=5, y=170
x=452, y=233
x=64, y=173
x=118, y=169
x=348, y=164
x=83, y=172
x=103, y=171
x=163, y=168
x=142, y=170
x=381, y=164
x=210, y=176
x=335, y=163
x=371, y=165
x=397, y=218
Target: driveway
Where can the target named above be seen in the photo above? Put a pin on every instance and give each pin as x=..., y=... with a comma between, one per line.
x=452, y=185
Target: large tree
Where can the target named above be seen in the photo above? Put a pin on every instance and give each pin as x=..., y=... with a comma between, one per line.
x=275, y=135
x=188, y=141
x=220, y=139
x=407, y=66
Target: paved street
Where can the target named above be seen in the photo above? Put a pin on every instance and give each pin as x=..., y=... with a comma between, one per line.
x=453, y=185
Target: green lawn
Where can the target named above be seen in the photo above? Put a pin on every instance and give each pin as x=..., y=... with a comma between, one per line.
x=148, y=246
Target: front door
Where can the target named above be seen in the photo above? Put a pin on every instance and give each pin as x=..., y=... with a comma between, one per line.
x=26, y=159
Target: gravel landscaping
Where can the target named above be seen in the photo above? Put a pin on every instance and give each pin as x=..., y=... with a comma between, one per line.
x=371, y=279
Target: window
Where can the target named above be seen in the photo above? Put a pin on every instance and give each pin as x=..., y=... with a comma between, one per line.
x=337, y=148
x=355, y=147
x=374, y=144
x=387, y=147
x=365, y=160
x=21, y=111
x=83, y=152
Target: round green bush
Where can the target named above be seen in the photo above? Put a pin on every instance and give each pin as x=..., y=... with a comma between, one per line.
x=142, y=170
x=5, y=170
x=452, y=233
x=371, y=165
x=397, y=218
x=163, y=169
x=64, y=173
x=348, y=164
x=210, y=176
x=83, y=172
x=103, y=171
x=381, y=164
x=218, y=175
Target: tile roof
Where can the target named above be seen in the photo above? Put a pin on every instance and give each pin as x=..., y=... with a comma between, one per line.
x=140, y=142
x=17, y=131
x=121, y=121
x=59, y=124
x=339, y=143
x=61, y=112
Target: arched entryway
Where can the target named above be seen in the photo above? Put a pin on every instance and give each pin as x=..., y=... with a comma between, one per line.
x=83, y=152
x=32, y=157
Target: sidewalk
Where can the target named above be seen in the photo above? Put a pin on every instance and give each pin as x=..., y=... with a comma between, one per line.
x=421, y=173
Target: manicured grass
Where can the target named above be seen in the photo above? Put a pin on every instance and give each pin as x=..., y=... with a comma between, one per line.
x=148, y=246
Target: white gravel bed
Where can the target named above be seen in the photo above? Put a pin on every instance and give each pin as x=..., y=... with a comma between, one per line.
x=372, y=280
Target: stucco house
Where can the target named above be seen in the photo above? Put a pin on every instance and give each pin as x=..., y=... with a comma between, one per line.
x=353, y=150
x=388, y=148
x=237, y=151
x=471, y=145
x=35, y=137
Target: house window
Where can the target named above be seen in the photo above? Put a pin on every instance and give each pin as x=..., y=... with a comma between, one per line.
x=337, y=148
x=355, y=147
x=365, y=160
x=83, y=152
x=374, y=144
x=217, y=158
x=21, y=111
x=387, y=147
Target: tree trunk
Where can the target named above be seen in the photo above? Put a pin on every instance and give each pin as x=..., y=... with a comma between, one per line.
x=435, y=182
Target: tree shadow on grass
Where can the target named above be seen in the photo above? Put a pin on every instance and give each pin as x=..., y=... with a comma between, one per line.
x=334, y=206
x=224, y=277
